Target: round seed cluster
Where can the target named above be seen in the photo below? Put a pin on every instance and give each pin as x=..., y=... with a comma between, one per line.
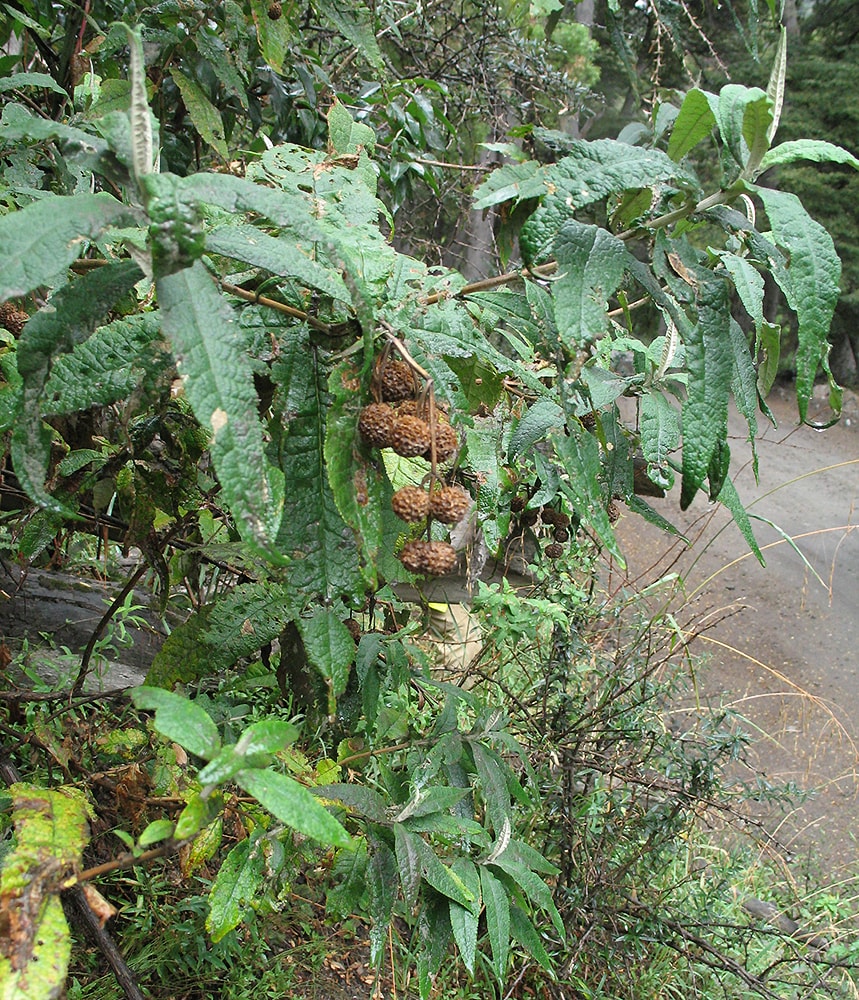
x=432, y=558
x=12, y=318
x=411, y=503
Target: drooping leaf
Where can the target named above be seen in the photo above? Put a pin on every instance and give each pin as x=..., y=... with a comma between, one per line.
x=204, y=115
x=383, y=881
x=329, y=646
x=534, y=888
x=748, y=282
x=497, y=905
x=694, y=121
x=361, y=799
x=591, y=264
x=660, y=436
x=525, y=934
x=534, y=427
x=315, y=537
x=356, y=23
x=218, y=381
x=43, y=238
x=744, y=386
x=71, y=316
x=359, y=486
x=810, y=282
x=579, y=455
x=464, y=920
x=709, y=358
x=408, y=863
x=731, y=499
x=180, y=719
x=293, y=805
x=238, y=882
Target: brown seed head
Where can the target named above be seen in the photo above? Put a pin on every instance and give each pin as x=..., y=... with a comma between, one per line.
x=411, y=503
x=12, y=318
x=529, y=517
x=397, y=381
x=561, y=534
x=517, y=504
x=446, y=442
x=449, y=504
x=554, y=551
x=413, y=556
x=613, y=512
x=440, y=558
x=376, y=425
x=275, y=10
x=354, y=628
x=556, y=517
x=410, y=436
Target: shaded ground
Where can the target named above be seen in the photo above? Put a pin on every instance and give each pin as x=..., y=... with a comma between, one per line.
x=783, y=644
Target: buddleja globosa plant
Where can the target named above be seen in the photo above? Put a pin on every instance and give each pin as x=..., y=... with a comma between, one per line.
x=224, y=332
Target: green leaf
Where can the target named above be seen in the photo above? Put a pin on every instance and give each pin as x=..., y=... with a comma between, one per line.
x=810, y=282
x=767, y=349
x=293, y=805
x=42, y=239
x=159, y=829
x=213, y=363
x=359, y=798
x=356, y=23
x=493, y=785
x=205, y=116
x=660, y=436
x=347, y=135
x=238, y=882
x=744, y=386
x=579, y=454
x=744, y=115
x=534, y=888
x=329, y=646
x=497, y=905
x=359, y=486
x=21, y=80
x=525, y=934
x=51, y=832
x=315, y=537
x=68, y=319
x=591, y=171
x=437, y=874
x=534, y=427
x=408, y=863
x=196, y=814
x=694, y=121
x=709, y=358
x=464, y=920
x=267, y=736
x=106, y=367
x=383, y=880
x=816, y=150
x=591, y=264
x=278, y=255
x=513, y=182
x=749, y=283
x=180, y=720
x=731, y=499
x=775, y=86
x=142, y=157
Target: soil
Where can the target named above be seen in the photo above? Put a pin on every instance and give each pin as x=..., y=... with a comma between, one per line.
x=781, y=640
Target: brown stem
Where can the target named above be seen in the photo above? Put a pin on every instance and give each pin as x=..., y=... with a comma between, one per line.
x=123, y=861
x=243, y=293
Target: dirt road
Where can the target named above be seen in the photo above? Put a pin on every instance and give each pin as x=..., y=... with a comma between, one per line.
x=783, y=643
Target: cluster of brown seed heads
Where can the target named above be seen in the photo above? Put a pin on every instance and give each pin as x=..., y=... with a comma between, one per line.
x=405, y=417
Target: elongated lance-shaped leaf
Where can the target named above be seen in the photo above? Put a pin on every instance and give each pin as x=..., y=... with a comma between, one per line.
x=329, y=646
x=497, y=904
x=211, y=358
x=744, y=386
x=141, y=125
x=383, y=881
x=70, y=317
x=693, y=123
x=660, y=436
x=237, y=884
x=709, y=358
x=293, y=804
x=810, y=282
x=42, y=239
x=775, y=87
x=591, y=264
x=204, y=115
x=315, y=536
x=814, y=150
